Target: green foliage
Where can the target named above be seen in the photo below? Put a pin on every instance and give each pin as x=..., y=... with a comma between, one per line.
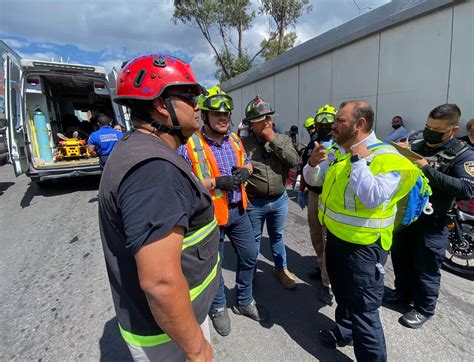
x=271, y=47
x=223, y=21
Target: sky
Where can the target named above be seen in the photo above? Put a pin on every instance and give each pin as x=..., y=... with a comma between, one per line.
x=108, y=32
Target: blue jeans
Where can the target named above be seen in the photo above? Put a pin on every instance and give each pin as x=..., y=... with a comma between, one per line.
x=239, y=231
x=274, y=212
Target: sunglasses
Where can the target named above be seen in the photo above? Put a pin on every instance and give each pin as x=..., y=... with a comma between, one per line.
x=219, y=102
x=188, y=97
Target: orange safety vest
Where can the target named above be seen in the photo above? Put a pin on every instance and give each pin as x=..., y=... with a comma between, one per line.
x=205, y=167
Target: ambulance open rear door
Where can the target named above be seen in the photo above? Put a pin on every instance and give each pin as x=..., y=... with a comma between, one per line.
x=11, y=104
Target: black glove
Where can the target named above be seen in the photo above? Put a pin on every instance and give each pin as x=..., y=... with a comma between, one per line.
x=242, y=172
x=229, y=183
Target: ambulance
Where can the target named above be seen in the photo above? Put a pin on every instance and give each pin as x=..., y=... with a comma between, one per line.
x=49, y=109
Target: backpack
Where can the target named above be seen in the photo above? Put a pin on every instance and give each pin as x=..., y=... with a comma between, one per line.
x=410, y=207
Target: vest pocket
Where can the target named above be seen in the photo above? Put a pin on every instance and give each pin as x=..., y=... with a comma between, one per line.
x=207, y=248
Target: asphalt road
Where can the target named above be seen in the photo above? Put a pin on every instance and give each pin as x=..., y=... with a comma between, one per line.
x=56, y=302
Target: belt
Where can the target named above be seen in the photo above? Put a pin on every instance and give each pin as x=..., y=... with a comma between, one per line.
x=233, y=205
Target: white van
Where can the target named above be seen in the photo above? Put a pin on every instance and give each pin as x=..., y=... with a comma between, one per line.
x=49, y=109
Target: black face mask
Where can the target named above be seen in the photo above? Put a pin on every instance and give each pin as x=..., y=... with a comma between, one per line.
x=396, y=126
x=433, y=137
x=324, y=134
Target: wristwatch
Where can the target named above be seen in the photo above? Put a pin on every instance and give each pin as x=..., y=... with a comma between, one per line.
x=355, y=158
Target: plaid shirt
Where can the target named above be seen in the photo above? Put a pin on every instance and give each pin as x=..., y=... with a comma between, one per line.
x=225, y=157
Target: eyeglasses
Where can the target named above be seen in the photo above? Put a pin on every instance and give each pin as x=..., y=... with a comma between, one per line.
x=188, y=97
x=219, y=102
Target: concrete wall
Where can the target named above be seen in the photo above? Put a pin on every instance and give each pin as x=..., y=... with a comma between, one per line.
x=405, y=58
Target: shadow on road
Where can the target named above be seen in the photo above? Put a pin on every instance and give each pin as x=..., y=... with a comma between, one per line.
x=59, y=187
x=296, y=311
x=112, y=345
x=4, y=186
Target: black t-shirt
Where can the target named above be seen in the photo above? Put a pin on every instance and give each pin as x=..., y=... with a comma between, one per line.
x=153, y=199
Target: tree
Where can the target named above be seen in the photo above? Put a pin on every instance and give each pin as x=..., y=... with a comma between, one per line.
x=271, y=47
x=284, y=13
x=223, y=21
x=219, y=20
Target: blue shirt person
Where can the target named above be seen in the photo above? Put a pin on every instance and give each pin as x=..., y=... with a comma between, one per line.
x=399, y=131
x=102, y=141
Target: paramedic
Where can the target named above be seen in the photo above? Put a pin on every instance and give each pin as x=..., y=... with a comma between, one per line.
x=102, y=141
x=363, y=180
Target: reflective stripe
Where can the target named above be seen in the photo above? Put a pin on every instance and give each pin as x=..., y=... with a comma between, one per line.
x=150, y=341
x=349, y=199
x=194, y=293
x=199, y=234
x=369, y=223
x=202, y=167
x=143, y=341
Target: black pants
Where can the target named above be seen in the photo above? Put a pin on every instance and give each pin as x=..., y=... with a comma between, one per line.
x=102, y=160
x=356, y=274
x=417, y=254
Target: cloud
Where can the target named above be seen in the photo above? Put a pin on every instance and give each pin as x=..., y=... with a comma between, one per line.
x=49, y=56
x=204, y=67
x=110, y=30
x=16, y=44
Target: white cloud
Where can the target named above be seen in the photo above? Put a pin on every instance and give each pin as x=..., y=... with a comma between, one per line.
x=16, y=44
x=121, y=29
x=204, y=67
x=49, y=56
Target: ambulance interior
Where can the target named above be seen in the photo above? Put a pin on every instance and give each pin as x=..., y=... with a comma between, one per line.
x=61, y=113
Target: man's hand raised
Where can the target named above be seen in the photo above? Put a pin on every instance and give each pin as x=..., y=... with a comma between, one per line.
x=318, y=155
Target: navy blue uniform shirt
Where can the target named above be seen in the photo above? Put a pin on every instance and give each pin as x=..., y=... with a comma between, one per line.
x=456, y=183
x=104, y=140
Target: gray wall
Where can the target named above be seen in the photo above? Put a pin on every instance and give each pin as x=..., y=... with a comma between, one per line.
x=404, y=58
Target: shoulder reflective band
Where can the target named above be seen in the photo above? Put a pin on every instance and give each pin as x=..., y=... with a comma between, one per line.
x=371, y=223
x=199, y=234
x=197, y=147
x=150, y=341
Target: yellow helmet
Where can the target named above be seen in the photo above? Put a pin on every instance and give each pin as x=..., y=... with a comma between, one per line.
x=216, y=100
x=309, y=122
x=325, y=114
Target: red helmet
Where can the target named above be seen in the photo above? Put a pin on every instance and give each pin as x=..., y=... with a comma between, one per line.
x=148, y=76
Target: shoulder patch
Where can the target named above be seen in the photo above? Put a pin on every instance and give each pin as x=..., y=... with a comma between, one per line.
x=469, y=167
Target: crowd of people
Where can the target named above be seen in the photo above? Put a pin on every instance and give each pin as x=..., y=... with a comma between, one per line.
x=171, y=191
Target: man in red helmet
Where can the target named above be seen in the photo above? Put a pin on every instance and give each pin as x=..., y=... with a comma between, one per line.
x=158, y=230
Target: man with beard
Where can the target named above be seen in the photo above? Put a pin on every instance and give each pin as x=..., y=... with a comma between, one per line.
x=218, y=159
x=319, y=129
x=418, y=250
x=362, y=181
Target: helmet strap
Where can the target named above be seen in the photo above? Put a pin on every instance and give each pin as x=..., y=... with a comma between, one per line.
x=206, y=122
x=176, y=129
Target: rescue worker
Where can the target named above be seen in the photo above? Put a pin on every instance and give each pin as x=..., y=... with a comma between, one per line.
x=158, y=230
x=419, y=249
x=102, y=141
x=319, y=128
x=362, y=181
x=218, y=159
x=272, y=155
